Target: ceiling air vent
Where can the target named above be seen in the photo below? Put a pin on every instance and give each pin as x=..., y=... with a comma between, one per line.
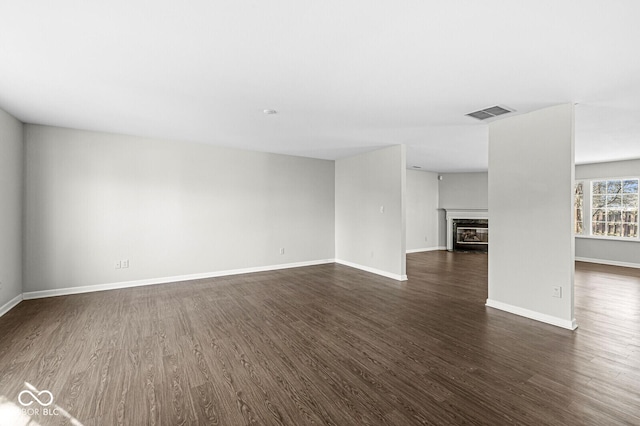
x=491, y=112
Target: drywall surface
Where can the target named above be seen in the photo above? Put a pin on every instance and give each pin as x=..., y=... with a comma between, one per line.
x=170, y=208
x=370, y=211
x=422, y=210
x=464, y=191
x=530, y=214
x=603, y=250
x=610, y=252
x=11, y=189
x=612, y=169
x=461, y=191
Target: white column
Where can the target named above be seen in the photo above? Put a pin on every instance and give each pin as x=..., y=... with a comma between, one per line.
x=531, y=255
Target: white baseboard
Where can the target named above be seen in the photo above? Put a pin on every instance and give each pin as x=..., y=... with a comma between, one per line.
x=608, y=262
x=10, y=304
x=372, y=270
x=558, y=322
x=425, y=249
x=165, y=280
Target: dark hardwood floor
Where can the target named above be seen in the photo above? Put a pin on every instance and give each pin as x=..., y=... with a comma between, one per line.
x=327, y=345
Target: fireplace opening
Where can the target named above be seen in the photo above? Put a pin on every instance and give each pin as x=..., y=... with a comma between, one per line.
x=471, y=235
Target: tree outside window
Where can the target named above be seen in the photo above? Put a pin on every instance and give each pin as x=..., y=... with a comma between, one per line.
x=578, y=200
x=614, y=208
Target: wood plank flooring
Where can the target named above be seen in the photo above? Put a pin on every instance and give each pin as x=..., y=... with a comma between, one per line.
x=327, y=345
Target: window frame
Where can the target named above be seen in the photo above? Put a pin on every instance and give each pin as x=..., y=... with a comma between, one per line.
x=587, y=209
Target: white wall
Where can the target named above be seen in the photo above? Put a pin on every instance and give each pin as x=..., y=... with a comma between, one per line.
x=11, y=189
x=461, y=191
x=608, y=251
x=530, y=214
x=608, y=169
x=171, y=208
x=464, y=191
x=422, y=210
x=366, y=237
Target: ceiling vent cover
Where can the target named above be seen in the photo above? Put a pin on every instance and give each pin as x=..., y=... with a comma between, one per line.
x=490, y=112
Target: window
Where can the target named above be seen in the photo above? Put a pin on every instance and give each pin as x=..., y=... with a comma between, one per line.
x=578, y=217
x=614, y=208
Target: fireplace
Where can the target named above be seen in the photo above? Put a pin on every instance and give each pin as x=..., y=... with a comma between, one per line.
x=467, y=230
x=470, y=235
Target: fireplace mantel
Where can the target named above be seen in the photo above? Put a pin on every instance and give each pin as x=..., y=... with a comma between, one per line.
x=452, y=214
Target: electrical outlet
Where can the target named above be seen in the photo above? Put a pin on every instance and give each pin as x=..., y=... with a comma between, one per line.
x=381, y=209
x=282, y=250
x=125, y=263
x=557, y=291
x=425, y=238
x=118, y=264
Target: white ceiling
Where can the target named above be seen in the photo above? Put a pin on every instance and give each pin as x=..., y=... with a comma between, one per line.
x=345, y=76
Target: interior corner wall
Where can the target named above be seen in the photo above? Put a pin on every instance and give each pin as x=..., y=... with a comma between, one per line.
x=11, y=190
x=531, y=172
x=615, y=252
x=171, y=208
x=422, y=210
x=370, y=211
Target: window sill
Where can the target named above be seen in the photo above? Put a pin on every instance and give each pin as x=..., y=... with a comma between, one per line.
x=605, y=238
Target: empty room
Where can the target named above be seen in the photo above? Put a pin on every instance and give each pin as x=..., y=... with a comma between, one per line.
x=328, y=213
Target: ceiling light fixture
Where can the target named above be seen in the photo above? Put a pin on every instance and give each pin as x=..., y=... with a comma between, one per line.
x=270, y=111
